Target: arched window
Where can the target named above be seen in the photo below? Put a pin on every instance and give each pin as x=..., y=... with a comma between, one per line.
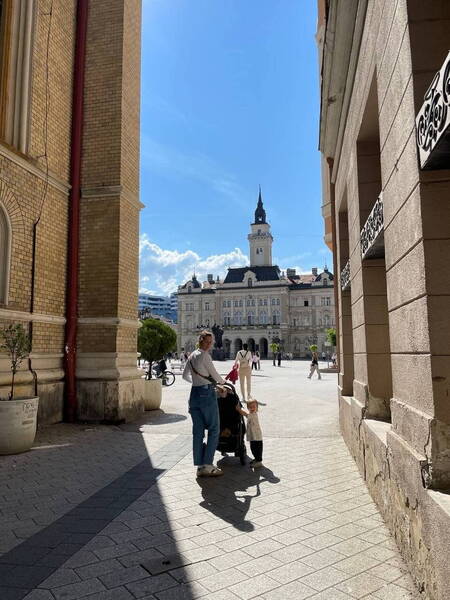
x=250, y=282
x=5, y=249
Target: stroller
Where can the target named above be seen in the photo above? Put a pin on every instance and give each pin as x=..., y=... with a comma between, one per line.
x=232, y=426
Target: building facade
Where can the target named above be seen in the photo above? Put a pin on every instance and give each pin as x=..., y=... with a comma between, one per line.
x=385, y=142
x=162, y=306
x=69, y=156
x=259, y=304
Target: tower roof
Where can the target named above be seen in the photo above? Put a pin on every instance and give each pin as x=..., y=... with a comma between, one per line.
x=260, y=213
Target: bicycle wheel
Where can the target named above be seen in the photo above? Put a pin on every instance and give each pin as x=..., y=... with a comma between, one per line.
x=168, y=378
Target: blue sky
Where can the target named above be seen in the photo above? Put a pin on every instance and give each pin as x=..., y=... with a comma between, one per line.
x=230, y=100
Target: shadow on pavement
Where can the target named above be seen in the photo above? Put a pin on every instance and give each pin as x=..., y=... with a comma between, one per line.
x=221, y=497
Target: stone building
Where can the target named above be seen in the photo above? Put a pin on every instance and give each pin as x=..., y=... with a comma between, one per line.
x=384, y=138
x=69, y=155
x=259, y=304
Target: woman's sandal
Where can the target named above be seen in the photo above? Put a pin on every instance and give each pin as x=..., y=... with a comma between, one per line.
x=214, y=472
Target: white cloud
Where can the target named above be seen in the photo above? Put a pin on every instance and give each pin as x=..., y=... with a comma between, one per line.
x=164, y=270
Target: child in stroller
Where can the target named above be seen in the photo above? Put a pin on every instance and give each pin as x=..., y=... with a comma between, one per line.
x=232, y=426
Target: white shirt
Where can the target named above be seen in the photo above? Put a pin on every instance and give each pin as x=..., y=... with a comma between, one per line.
x=254, y=432
x=202, y=363
x=243, y=357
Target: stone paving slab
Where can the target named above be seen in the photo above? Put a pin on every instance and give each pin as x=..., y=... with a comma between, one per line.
x=117, y=514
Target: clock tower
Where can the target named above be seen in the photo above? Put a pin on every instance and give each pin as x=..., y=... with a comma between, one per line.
x=260, y=238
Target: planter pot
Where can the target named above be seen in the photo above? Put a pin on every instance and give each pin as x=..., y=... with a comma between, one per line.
x=152, y=394
x=18, y=420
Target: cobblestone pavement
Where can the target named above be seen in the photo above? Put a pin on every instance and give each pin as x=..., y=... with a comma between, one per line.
x=115, y=513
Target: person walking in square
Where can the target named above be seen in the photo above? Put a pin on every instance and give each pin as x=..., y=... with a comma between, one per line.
x=244, y=360
x=200, y=371
x=314, y=366
x=254, y=361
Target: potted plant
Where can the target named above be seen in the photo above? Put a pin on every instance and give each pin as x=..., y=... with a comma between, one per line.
x=155, y=340
x=18, y=414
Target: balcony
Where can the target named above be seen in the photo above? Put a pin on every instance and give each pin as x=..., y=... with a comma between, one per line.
x=345, y=277
x=372, y=234
x=433, y=122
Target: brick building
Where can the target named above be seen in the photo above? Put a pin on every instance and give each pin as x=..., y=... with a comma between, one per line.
x=43, y=45
x=384, y=137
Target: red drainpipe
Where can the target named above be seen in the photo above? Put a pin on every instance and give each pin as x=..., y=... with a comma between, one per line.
x=70, y=347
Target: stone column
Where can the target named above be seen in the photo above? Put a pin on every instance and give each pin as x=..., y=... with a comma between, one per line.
x=370, y=314
x=419, y=246
x=109, y=385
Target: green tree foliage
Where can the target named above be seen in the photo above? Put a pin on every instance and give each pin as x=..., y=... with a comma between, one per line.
x=17, y=344
x=313, y=347
x=331, y=336
x=155, y=340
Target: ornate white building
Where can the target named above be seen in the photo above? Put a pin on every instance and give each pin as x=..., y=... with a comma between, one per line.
x=259, y=304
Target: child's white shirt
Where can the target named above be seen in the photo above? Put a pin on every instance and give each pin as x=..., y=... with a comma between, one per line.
x=254, y=433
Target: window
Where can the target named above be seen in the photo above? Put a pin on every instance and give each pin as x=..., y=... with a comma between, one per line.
x=265, y=301
x=260, y=250
x=250, y=283
x=224, y=304
x=326, y=320
x=260, y=302
x=295, y=322
x=253, y=302
x=206, y=305
x=16, y=51
x=278, y=302
x=248, y=302
x=5, y=246
x=235, y=303
x=189, y=290
x=250, y=319
x=325, y=301
x=272, y=301
x=325, y=281
x=229, y=303
x=257, y=250
x=259, y=230
x=305, y=303
x=241, y=303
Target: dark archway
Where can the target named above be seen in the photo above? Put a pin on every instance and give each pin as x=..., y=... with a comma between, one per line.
x=227, y=347
x=237, y=345
x=251, y=344
x=263, y=347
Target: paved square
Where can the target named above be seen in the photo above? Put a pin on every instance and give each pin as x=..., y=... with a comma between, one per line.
x=115, y=513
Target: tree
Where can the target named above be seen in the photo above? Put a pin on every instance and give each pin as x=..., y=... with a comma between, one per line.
x=155, y=340
x=313, y=347
x=17, y=344
x=274, y=347
x=331, y=336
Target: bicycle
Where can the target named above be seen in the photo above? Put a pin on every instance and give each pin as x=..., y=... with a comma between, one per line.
x=160, y=371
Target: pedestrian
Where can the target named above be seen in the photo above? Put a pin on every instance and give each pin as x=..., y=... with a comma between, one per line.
x=244, y=359
x=254, y=361
x=314, y=365
x=279, y=358
x=259, y=360
x=200, y=371
x=334, y=359
x=254, y=434
x=324, y=356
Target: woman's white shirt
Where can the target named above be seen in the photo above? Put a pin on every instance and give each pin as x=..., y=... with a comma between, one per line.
x=202, y=363
x=244, y=358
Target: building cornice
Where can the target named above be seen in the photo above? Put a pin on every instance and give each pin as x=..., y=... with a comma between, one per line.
x=31, y=167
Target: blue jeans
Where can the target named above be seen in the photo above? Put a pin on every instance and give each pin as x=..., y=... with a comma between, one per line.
x=204, y=412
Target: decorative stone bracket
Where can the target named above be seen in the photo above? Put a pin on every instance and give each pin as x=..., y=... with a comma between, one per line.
x=433, y=122
x=372, y=234
x=345, y=277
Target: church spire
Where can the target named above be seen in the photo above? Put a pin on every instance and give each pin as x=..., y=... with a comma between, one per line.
x=260, y=213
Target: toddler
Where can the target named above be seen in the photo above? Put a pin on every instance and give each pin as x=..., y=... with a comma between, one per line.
x=254, y=434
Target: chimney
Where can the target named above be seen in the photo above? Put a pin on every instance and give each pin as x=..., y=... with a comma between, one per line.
x=210, y=278
x=291, y=273
x=314, y=271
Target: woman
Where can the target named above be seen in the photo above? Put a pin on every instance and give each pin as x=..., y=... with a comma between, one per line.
x=244, y=360
x=254, y=361
x=200, y=371
x=314, y=365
